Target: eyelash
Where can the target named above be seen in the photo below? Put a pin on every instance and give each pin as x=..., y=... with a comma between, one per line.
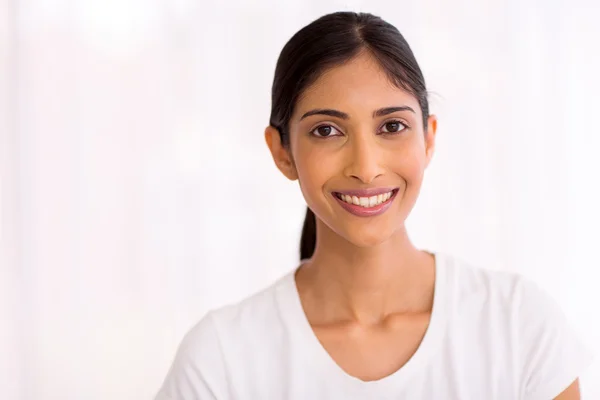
x=405, y=126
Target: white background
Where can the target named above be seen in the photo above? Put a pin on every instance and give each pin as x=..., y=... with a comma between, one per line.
x=136, y=190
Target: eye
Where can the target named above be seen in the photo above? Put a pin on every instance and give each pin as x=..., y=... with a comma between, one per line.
x=394, y=126
x=325, y=131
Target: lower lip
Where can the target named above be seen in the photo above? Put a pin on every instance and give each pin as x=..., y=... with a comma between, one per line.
x=360, y=211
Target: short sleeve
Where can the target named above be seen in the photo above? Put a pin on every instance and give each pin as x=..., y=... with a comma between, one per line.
x=552, y=354
x=198, y=371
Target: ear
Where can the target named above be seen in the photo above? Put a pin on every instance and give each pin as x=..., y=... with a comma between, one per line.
x=281, y=155
x=430, y=138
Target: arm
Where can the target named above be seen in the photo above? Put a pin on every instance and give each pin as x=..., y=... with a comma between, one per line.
x=570, y=393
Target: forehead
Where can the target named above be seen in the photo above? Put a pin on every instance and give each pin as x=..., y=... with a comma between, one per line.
x=360, y=85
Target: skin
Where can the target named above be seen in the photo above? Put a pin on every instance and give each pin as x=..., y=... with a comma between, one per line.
x=367, y=291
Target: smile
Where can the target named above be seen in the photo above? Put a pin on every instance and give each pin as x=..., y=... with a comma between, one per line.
x=366, y=203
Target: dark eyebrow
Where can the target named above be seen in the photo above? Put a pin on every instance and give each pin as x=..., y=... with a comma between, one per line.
x=388, y=110
x=339, y=114
x=325, y=111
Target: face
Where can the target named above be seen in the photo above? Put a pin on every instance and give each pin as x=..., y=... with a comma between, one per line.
x=356, y=138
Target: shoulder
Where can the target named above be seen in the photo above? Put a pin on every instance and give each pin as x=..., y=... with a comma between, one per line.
x=255, y=323
x=505, y=289
x=257, y=312
x=548, y=353
x=522, y=303
x=226, y=337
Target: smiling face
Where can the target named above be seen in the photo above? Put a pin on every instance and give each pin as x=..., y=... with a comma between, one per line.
x=359, y=150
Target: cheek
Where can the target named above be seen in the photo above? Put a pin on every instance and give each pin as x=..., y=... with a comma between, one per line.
x=409, y=163
x=315, y=166
x=414, y=167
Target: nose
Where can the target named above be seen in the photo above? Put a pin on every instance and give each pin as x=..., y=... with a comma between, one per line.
x=365, y=159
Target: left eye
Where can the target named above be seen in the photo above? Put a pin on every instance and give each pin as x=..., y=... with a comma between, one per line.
x=393, y=126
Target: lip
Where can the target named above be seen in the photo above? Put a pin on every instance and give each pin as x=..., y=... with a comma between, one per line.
x=360, y=211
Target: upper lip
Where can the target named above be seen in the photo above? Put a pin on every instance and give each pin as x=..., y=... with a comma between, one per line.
x=365, y=192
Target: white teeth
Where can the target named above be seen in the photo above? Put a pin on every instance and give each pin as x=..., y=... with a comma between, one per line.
x=366, y=201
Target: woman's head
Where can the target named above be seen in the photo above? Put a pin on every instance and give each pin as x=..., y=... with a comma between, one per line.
x=350, y=115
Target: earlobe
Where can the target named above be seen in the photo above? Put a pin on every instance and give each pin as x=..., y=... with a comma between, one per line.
x=281, y=155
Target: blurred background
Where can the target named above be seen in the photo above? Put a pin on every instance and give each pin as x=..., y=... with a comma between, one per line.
x=136, y=190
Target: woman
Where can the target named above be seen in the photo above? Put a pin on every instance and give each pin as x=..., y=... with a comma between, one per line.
x=367, y=315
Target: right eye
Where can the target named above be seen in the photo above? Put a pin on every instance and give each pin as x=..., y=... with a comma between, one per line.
x=325, y=131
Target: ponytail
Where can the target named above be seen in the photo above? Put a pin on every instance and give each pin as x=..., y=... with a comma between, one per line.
x=309, y=235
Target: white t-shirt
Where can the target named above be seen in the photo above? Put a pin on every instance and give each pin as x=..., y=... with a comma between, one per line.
x=493, y=335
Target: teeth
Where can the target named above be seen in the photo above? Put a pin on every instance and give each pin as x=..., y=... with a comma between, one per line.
x=366, y=201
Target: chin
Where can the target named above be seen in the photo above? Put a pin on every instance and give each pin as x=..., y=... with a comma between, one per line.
x=365, y=237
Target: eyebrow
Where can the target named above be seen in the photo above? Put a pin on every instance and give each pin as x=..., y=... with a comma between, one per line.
x=342, y=115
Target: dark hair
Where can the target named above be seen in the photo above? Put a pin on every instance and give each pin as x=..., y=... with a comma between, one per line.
x=330, y=41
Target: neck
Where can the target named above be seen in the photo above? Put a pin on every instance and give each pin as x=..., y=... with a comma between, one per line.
x=367, y=284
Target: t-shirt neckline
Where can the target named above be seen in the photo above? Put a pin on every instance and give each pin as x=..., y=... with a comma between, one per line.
x=318, y=358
